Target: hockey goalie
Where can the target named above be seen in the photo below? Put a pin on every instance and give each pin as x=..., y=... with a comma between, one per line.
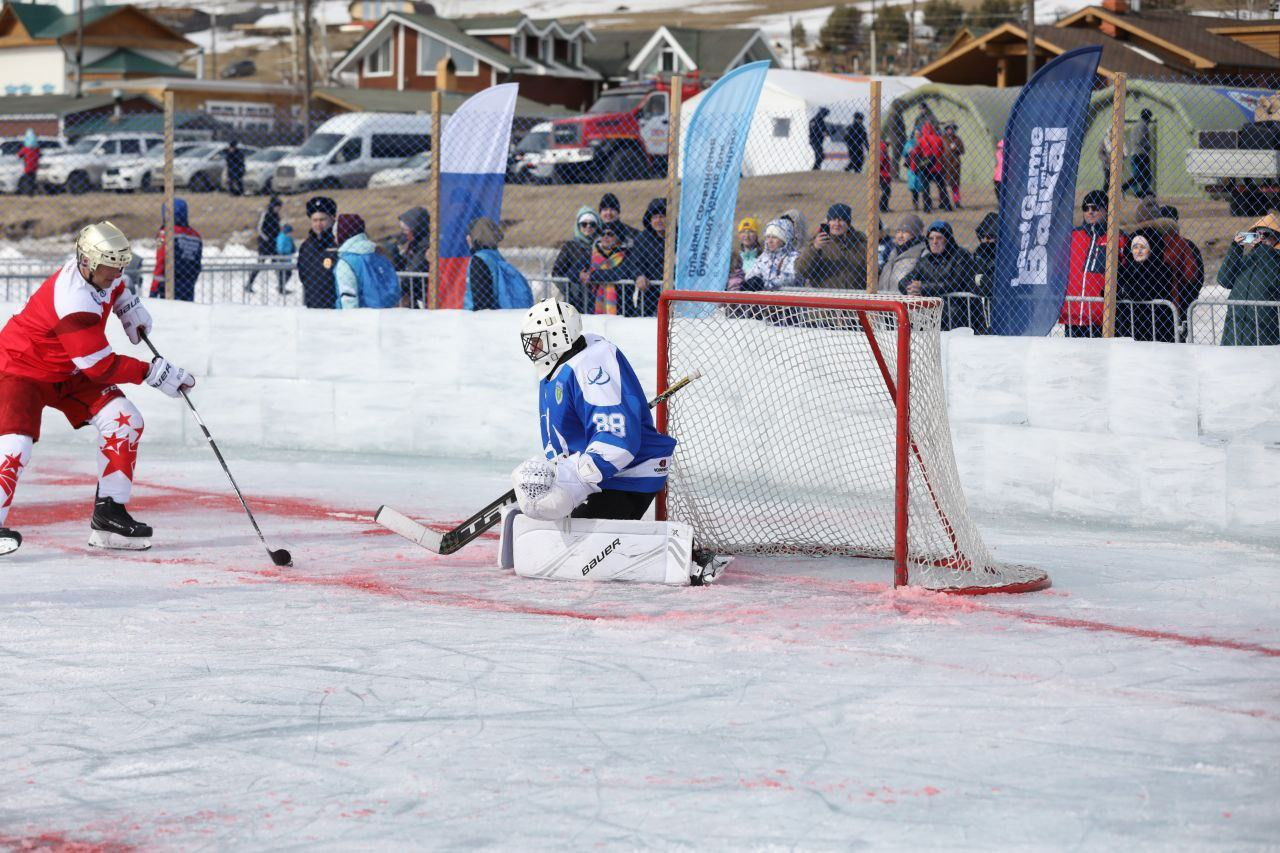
x=580, y=503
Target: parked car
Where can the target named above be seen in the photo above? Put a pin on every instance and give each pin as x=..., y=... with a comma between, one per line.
x=346, y=150
x=200, y=169
x=240, y=68
x=79, y=168
x=415, y=170
x=11, y=165
x=529, y=163
x=260, y=168
x=144, y=174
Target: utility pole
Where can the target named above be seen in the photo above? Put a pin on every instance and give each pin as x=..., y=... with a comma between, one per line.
x=873, y=36
x=911, y=42
x=79, y=45
x=213, y=40
x=1031, y=39
x=306, y=69
x=791, y=28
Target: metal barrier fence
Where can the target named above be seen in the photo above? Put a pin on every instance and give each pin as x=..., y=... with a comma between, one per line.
x=1198, y=163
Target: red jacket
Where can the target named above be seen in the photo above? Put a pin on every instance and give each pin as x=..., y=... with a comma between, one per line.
x=886, y=164
x=30, y=159
x=1087, y=275
x=930, y=145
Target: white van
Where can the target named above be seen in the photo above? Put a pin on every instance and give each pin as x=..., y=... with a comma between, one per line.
x=347, y=149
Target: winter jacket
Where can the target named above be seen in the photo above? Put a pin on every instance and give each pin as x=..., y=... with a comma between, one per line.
x=842, y=263
x=886, y=164
x=188, y=257
x=411, y=255
x=646, y=258
x=944, y=273
x=1143, y=282
x=818, y=129
x=1252, y=275
x=316, y=257
x=774, y=270
x=268, y=230
x=952, y=151
x=929, y=150
x=606, y=271
x=983, y=271
x=347, y=282
x=897, y=269
x=284, y=244
x=1086, y=275
x=915, y=183
x=492, y=282
x=574, y=257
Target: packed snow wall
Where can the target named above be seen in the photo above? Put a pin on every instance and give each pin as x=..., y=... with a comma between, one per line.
x=1152, y=435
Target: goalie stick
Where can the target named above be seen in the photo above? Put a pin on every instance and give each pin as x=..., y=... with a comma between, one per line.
x=471, y=529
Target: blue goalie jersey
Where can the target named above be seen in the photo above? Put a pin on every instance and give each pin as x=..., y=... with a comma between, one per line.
x=593, y=403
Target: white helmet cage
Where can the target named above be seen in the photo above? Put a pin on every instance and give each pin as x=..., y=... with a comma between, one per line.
x=550, y=329
x=103, y=243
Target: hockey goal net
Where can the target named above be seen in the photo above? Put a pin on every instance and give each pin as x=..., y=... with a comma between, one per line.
x=819, y=426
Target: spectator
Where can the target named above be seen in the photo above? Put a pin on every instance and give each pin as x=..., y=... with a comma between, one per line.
x=316, y=255
x=984, y=274
x=885, y=247
x=1181, y=257
x=818, y=136
x=897, y=138
x=908, y=245
x=775, y=268
x=268, y=231
x=409, y=254
x=952, y=159
x=607, y=256
x=944, y=268
x=1142, y=278
x=997, y=176
x=837, y=257
x=611, y=213
x=799, y=225
x=1253, y=274
x=363, y=277
x=914, y=182
x=234, y=159
x=30, y=154
x=886, y=177
x=645, y=263
x=1140, y=144
x=1104, y=158
x=748, y=241
x=1086, y=275
x=855, y=140
x=188, y=255
x=574, y=258
x=929, y=153
x=284, y=252
x=492, y=282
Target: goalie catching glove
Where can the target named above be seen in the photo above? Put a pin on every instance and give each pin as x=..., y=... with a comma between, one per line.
x=168, y=377
x=133, y=316
x=549, y=490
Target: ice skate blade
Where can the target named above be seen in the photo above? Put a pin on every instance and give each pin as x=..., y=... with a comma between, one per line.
x=116, y=542
x=8, y=546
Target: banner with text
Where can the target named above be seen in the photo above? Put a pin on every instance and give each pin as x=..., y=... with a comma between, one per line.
x=1042, y=145
x=711, y=166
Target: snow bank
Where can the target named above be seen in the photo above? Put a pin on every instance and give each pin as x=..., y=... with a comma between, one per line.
x=1145, y=434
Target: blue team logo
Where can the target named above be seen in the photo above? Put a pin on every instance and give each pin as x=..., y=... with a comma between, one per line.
x=599, y=377
x=559, y=393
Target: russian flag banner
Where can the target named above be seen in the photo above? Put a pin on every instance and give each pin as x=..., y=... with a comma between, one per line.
x=473, y=171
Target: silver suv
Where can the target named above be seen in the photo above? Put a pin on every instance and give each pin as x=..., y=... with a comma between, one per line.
x=79, y=169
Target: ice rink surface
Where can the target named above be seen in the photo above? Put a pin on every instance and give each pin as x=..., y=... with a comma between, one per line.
x=376, y=696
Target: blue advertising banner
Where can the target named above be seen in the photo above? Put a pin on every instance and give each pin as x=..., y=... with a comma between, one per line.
x=1042, y=143
x=712, y=164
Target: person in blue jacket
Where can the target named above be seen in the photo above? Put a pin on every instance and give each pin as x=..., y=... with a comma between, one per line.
x=492, y=282
x=602, y=455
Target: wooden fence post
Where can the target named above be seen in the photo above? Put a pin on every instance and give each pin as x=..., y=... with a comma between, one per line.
x=872, y=167
x=1113, y=208
x=675, y=102
x=168, y=195
x=433, y=200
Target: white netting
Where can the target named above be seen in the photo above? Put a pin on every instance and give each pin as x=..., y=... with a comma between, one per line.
x=787, y=441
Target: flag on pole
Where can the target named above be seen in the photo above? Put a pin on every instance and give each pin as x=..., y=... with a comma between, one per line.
x=711, y=166
x=1042, y=143
x=473, y=172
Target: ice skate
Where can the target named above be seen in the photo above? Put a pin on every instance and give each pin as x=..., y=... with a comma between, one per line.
x=9, y=541
x=113, y=527
x=707, y=566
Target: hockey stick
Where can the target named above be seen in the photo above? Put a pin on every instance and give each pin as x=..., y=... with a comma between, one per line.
x=279, y=556
x=470, y=530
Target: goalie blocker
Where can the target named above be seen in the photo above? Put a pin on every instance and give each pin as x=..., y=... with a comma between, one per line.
x=599, y=550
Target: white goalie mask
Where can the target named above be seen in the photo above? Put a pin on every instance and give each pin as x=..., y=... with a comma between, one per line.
x=103, y=244
x=550, y=329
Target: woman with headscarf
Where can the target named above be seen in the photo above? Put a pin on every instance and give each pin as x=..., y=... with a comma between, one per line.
x=574, y=258
x=1144, y=276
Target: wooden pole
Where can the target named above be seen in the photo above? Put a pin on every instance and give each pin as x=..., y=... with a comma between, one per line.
x=675, y=102
x=168, y=194
x=1113, y=208
x=433, y=200
x=872, y=168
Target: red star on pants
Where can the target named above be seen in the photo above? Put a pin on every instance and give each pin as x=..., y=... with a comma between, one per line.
x=10, y=467
x=123, y=420
x=121, y=456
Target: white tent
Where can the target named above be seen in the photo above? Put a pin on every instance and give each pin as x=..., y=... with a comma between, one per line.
x=779, y=137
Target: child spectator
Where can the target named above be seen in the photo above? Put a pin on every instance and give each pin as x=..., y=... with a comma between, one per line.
x=748, y=241
x=284, y=252
x=606, y=270
x=775, y=268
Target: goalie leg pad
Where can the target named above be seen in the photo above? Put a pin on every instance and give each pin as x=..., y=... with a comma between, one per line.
x=597, y=549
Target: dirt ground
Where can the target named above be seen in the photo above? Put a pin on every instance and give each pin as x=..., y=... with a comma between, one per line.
x=540, y=215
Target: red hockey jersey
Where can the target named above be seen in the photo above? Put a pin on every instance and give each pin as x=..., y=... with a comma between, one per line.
x=62, y=331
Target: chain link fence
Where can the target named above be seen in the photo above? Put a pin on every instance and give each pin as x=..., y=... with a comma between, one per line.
x=825, y=195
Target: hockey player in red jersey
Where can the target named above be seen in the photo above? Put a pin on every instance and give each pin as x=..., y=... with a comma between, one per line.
x=54, y=353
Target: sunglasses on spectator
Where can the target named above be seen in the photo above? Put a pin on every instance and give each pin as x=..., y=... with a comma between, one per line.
x=1092, y=208
x=586, y=223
